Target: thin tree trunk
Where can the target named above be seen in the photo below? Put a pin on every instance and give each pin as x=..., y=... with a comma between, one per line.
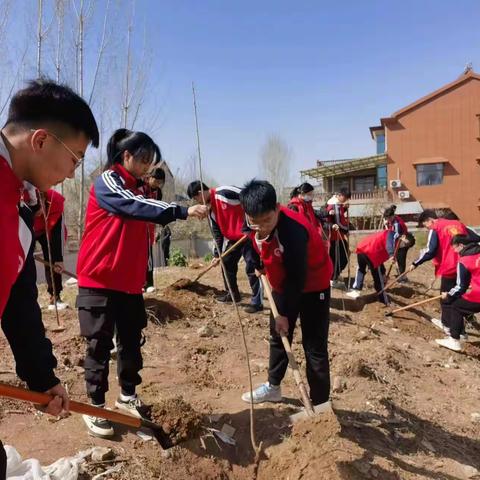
x=39, y=38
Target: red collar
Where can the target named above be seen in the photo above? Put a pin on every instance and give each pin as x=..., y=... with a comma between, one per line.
x=130, y=180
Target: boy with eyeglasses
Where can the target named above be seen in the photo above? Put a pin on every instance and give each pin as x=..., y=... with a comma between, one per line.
x=44, y=139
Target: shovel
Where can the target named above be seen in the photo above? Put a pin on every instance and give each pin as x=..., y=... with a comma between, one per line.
x=64, y=272
x=185, y=282
x=310, y=410
x=369, y=296
x=390, y=314
x=37, y=398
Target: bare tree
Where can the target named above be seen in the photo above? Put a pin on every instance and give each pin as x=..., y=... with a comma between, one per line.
x=275, y=159
x=128, y=71
x=41, y=34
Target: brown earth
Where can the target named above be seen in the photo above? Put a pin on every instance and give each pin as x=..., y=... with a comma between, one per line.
x=402, y=405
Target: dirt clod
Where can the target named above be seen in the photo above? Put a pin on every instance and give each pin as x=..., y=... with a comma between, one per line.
x=177, y=418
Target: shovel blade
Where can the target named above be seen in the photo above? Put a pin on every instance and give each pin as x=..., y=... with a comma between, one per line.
x=317, y=410
x=159, y=433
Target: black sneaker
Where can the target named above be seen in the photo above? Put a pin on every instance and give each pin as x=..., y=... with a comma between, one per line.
x=98, y=427
x=225, y=298
x=253, y=308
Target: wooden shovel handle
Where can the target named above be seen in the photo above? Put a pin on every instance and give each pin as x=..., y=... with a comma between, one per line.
x=224, y=254
x=37, y=398
x=394, y=259
x=44, y=262
x=416, y=304
x=392, y=283
x=291, y=358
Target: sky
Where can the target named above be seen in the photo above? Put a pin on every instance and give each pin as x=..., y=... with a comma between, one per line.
x=316, y=73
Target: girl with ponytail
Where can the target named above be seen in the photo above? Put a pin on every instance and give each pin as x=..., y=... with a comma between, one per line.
x=301, y=199
x=112, y=265
x=396, y=224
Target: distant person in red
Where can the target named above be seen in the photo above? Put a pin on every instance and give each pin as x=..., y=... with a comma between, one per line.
x=301, y=201
x=290, y=251
x=227, y=217
x=54, y=206
x=337, y=209
x=395, y=224
x=439, y=249
x=112, y=263
x=154, y=182
x=464, y=298
x=372, y=252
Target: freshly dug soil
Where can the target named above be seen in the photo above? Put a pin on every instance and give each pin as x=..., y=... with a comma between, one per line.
x=177, y=418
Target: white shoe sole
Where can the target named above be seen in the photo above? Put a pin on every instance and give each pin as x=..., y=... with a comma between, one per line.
x=353, y=295
x=450, y=347
x=246, y=398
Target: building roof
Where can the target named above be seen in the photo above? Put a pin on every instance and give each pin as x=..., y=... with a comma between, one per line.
x=330, y=168
x=465, y=77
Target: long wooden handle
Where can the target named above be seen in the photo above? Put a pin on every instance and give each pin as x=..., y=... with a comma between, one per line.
x=416, y=304
x=44, y=262
x=394, y=259
x=224, y=254
x=37, y=398
x=291, y=358
x=392, y=283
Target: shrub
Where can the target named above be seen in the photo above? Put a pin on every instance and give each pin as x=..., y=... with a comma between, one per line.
x=208, y=257
x=177, y=258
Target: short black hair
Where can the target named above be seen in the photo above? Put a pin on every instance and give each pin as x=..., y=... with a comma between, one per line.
x=426, y=215
x=44, y=101
x=450, y=215
x=345, y=192
x=158, y=173
x=390, y=211
x=410, y=239
x=257, y=197
x=462, y=240
x=194, y=188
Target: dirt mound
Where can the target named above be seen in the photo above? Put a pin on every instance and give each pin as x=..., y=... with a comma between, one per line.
x=181, y=284
x=314, y=450
x=161, y=312
x=177, y=418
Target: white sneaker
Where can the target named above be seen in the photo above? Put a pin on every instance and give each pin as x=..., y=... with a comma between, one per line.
x=438, y=323
x=60, y=306
x=150, y=290
x=264, y=393
x=134, y=406
x=450, y=343
x=71, y=281
x=353, y=294
x=98, y=427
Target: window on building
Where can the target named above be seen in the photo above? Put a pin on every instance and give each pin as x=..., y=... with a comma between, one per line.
x=364, y=184
x=429, y=174
x=380, y=143
x=339, y=183
x=382, y=176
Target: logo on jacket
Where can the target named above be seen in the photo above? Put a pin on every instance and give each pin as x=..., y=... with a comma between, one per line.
x=224, y=206
x=453, y=230
x=278, y=252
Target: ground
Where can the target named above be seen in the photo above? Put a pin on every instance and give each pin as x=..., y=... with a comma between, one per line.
x=403, y=407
